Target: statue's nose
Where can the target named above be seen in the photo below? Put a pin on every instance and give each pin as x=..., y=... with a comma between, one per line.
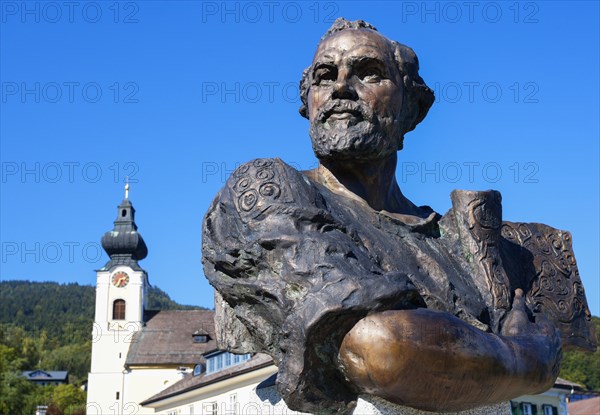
x=343, y=89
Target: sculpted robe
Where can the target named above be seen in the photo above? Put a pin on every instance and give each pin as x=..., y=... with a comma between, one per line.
x=295, y=266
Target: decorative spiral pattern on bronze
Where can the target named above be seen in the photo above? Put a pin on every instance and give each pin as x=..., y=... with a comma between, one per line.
x=271, y=190
x=242, y=184
x=556, y=288
x=562, y=306
x=542, y=244
x=546, y=269
x=486, y=215
x=262, y=163
x=256, y=185
x=265, y=174
x=509, y=232
x=546, y=285
x=525, y=232
x=577, y=306
x=248, y=200
x=556, y=243
x=564, y=263
x=578, y=288
x=240, y=171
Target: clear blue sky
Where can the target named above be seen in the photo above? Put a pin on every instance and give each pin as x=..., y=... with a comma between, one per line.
x=177, y=94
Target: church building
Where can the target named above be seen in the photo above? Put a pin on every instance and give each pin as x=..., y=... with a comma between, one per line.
x=137, y=353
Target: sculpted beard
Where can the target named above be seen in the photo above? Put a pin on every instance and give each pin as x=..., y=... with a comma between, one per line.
x=365, y=136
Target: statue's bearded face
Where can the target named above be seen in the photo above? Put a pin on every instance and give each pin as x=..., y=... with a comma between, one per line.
x=355, y=97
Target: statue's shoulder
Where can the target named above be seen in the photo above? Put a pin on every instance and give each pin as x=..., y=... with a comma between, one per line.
x=261, y=183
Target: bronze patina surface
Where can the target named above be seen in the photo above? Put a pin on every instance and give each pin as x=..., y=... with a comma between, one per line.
x=353, y=289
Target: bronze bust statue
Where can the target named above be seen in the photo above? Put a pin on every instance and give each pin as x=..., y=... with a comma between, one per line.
x=353, y=289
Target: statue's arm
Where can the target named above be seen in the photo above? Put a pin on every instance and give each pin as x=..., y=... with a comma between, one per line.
x=432, y=360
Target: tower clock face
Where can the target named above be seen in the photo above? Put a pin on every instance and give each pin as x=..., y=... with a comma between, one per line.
x=120, y=279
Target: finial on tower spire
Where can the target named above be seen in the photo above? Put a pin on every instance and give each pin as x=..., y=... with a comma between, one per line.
x=124, y=244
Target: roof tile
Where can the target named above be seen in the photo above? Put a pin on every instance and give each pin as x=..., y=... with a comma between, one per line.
x=585, y=407
x=167, y=338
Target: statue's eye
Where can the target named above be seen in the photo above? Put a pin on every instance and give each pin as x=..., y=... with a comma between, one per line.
x=370, y=73
x=325, y=75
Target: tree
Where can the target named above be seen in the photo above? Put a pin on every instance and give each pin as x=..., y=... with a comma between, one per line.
x=74, y=358
x=39, y=395
x=13, y=389
x=582, y=367
x=68, y=398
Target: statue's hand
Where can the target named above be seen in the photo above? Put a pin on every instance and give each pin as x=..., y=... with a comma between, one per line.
x=517, y=321
x=536, y=344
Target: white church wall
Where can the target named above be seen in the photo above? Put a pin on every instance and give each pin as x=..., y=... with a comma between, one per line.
x=111, y=340
x=105, y=395
x=141, y=384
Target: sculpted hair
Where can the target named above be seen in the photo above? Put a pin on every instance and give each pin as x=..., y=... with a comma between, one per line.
x=418, y=97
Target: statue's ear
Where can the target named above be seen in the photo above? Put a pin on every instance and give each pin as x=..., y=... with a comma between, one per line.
x=425, y=100
x=303, y=110
x=418, y=100
x=401, y=142
x=304, y=86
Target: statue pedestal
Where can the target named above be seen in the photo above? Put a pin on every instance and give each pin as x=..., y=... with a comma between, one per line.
x=370, y=405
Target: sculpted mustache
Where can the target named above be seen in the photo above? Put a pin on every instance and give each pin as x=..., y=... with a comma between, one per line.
x=364, y=110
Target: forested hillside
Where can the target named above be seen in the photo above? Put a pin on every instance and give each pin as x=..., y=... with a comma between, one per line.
x=64, y=311
x=49, y=326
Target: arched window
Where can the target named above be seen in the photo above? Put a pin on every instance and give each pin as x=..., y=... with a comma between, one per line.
x=119, y=310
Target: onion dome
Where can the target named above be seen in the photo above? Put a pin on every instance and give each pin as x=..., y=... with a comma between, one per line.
x=124, y=244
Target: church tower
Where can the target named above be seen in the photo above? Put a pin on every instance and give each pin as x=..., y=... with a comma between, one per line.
x=121, y=288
